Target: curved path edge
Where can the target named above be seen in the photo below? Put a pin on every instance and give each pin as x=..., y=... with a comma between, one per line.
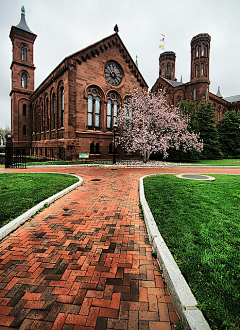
x=182, y=296
x=14, y=224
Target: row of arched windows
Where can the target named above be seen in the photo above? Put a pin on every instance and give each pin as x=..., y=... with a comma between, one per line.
x=94, y=109
x=203, y=50
x=203, y=71
x=46, y=114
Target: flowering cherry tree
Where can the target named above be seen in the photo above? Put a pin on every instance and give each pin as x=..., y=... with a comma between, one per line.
x=148, y=124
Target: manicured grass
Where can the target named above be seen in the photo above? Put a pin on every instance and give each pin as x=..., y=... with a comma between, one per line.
x=199, y=221
x=210, y=162
x=20, y=192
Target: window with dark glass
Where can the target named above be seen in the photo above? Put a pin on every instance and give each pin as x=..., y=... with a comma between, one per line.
x=62, y=107
x=202, y=50
x=24, y=110
x=201, y=69
x=196, y=70
x=24, y=130
x=94, y=109
x=163, y=70
x=24, y=80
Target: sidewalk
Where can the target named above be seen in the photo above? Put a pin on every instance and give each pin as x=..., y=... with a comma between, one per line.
x=85, y=262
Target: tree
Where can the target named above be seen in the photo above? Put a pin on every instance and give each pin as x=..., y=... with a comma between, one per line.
x=3, y=132
x=229, y=133
x=148, y=125
x=188, y=110
x=208, y=131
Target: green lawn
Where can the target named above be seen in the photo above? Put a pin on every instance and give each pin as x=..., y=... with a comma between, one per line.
x=20, y=192
x=199, y=221
x=211, y=162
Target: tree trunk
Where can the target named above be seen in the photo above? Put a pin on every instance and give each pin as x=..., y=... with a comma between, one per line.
x=145, y=156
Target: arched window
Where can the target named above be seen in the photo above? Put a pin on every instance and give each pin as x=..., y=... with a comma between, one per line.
x=54, y=112
x=23, y=53
x=62, y=107
x=196, y=51
x=43, y=117
x=168, y=69
x=207, y=95
x=92, y=148
x=112, y=110
x=218, y=114
x=201, y=69
x=94, y=109
x=194, y=94
x=202, y=50
x=24, y=80
x=163, y=70
x=24, y=110
x=196, y=70
x=24, y=130
x=48, y=116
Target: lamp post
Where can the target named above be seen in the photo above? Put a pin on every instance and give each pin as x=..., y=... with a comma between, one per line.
x=115, y=127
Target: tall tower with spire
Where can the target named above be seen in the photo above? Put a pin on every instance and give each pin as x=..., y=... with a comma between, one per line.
x=22, y=68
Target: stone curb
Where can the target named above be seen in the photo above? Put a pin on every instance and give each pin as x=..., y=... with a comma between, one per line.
x=14, y=224
x=183, y=299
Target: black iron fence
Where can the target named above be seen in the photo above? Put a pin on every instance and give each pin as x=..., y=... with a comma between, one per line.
x=18, y=157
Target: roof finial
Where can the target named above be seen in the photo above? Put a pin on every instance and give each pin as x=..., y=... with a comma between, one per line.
x=136, y=61
x=116, y=29
x=181, y=79
x=219, y=93
x=23, y=10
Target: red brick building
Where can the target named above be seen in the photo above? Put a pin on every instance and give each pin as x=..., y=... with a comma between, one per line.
x=76, y=106
x=197, y=89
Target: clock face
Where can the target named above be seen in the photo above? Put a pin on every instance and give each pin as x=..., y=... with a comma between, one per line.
x=113, y=74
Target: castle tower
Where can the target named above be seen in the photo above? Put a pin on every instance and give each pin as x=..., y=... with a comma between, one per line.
x=22, y=81
x=167, y=65
x=200, y=50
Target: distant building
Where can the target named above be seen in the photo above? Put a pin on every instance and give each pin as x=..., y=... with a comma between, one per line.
x=76, y=106
x=197, y=89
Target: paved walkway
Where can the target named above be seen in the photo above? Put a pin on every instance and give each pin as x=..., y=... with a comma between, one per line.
x=85, y=262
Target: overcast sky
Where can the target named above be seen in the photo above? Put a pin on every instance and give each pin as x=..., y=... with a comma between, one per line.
x=64, y=27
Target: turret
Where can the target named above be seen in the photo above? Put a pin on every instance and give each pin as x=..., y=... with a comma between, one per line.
x=200, y=50
x=167, y=65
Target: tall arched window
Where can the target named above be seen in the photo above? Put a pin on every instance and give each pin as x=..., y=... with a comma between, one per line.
x=62, y=107
x=24, y=53
x=196, y=51
x=48, y=116
x=43, y=117
x=202, y=50
x=54, y=112
x=194, y=94
x=112, y=111
x=94, y=109
x=163, y=70
x=24, y=110
x=24, y=80
x=196, y=70
x=24, y=130
x=202, y=69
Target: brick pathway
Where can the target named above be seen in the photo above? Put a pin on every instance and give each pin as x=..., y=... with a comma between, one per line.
x=85, y=262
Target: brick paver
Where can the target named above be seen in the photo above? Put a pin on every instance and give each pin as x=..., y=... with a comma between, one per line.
x=85, y=262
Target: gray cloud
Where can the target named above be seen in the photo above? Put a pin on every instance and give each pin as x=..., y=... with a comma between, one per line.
x=64, y=27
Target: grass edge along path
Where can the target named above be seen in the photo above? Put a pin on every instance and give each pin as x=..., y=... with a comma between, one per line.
x=199, y=222
x=20, y=192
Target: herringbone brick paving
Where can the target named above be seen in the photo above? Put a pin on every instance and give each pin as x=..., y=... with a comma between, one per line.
x=85, y=262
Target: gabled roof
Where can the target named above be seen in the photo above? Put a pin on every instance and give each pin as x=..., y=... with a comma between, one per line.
x=104, y=44
x=232, y=99
x=87, y=53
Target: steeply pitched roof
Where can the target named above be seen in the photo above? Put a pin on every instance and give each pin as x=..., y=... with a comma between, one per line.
x=232, y=99
x=23, y=25
x=175, y=83
x=87, y=53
